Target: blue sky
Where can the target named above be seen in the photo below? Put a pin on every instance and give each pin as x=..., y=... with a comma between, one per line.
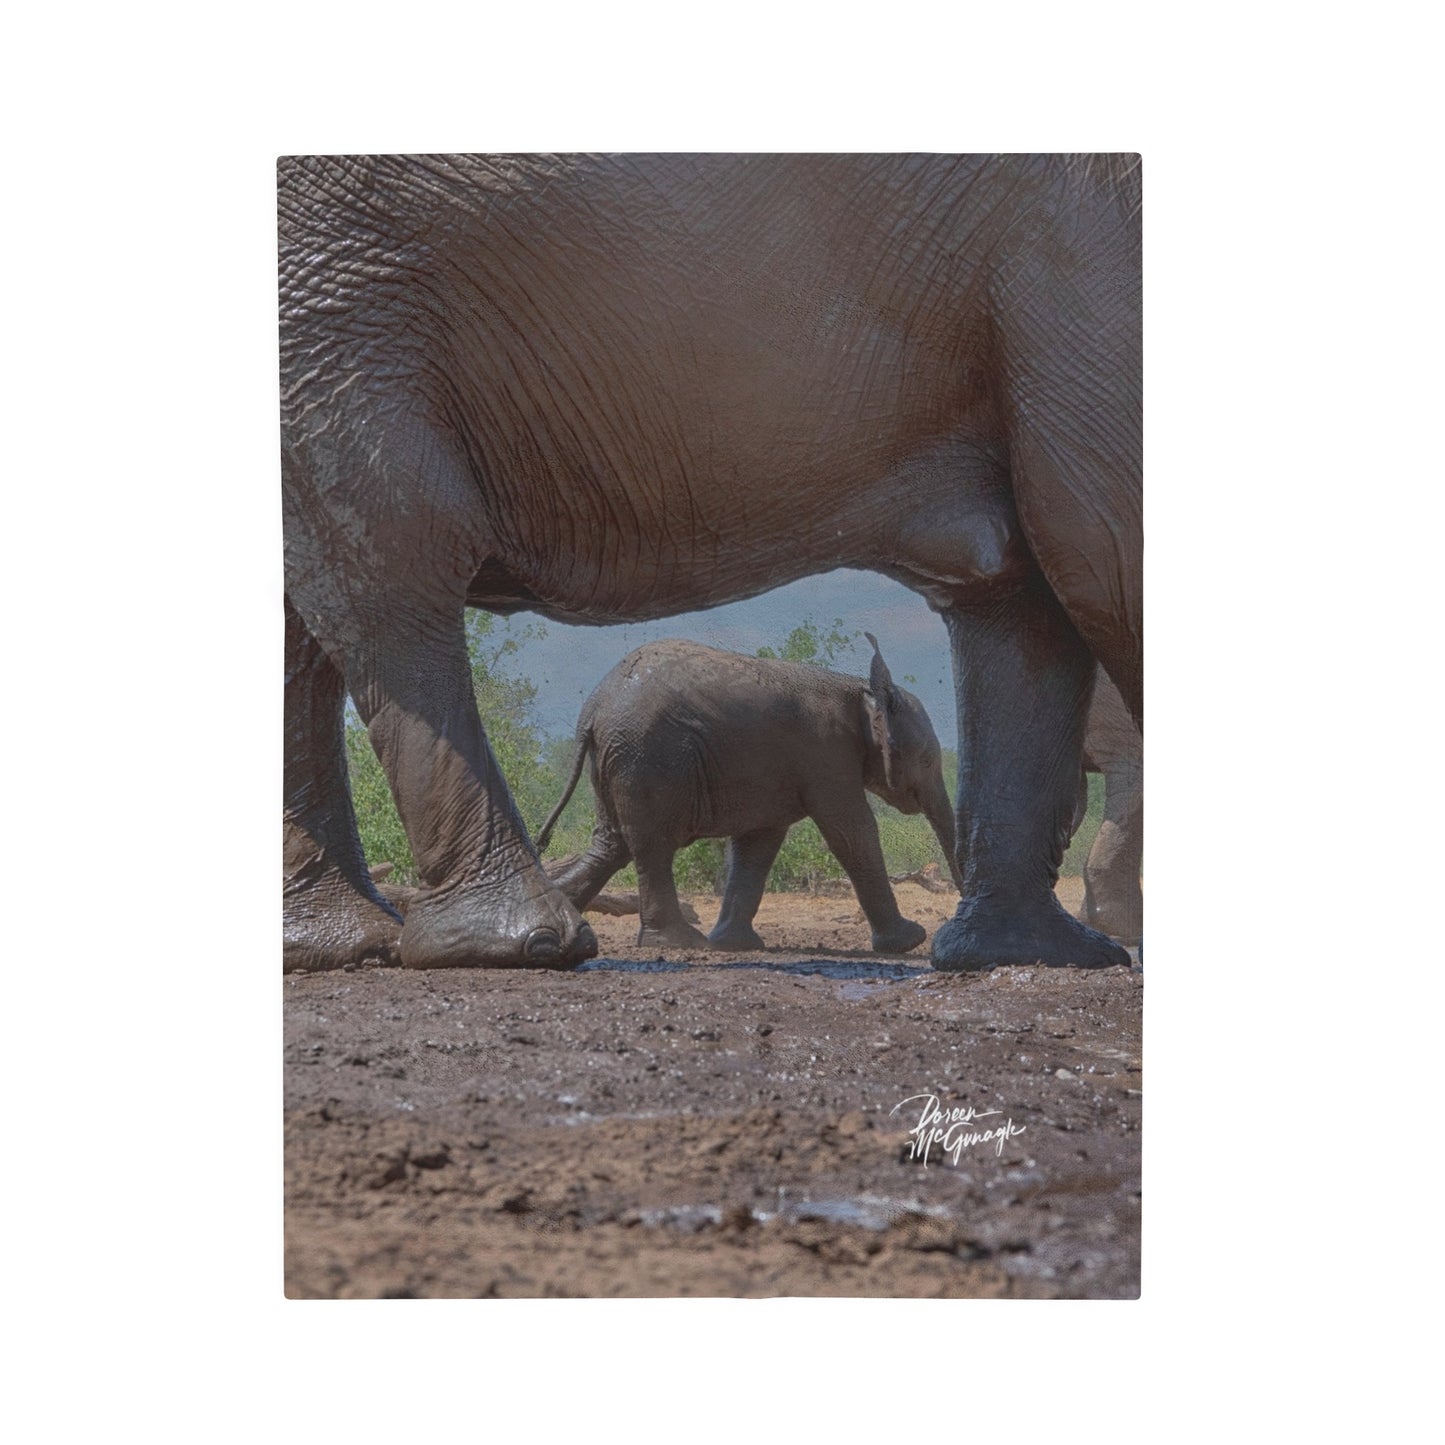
x=569, y=662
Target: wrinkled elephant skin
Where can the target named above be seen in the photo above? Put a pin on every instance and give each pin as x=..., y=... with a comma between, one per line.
x=612, y=388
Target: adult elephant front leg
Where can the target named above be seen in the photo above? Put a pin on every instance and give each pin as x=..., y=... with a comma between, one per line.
x=485, y=901
x=384, y=526
x=1023, y=679
x=332, y=914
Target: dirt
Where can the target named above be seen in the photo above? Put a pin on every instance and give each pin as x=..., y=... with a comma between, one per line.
x=705, y=1125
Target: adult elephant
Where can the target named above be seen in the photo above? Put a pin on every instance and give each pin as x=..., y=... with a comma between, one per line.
x=621, y=387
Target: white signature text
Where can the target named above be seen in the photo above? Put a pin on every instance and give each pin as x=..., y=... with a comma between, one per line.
x=953, y=1129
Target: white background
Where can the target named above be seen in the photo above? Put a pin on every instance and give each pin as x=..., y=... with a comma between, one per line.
x=1293, y=323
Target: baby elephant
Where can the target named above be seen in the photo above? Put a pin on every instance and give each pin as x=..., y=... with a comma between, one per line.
x=689, y=742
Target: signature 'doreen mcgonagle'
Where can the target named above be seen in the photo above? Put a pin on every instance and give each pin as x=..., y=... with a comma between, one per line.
x=952, y=1128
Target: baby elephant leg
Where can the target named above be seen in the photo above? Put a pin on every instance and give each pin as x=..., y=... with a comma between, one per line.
x=662, y=920
x=585, y=877
x=750, y=856
x=850, y=831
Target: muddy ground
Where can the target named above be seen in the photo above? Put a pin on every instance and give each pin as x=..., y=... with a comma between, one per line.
x=714, y=1126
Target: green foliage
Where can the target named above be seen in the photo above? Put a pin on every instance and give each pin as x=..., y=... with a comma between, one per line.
x=507, y=703
x=808, y=642
x=907, y=841
x=803, y=861
x=382, y=837
x=701, y=866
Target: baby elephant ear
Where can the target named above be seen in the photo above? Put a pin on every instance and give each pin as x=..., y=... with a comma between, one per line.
x=880, y=680
x=882, y=711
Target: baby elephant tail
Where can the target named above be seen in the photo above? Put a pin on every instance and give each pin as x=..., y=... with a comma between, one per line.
x=584, y=746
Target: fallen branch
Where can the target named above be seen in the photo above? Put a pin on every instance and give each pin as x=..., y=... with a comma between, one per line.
x=926, y=878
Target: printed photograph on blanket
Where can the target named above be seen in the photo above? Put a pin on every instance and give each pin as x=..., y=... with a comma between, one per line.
x=713, y=799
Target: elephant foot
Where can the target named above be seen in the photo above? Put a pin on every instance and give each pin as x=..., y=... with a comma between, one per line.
x=677, y=935
x=739, y=938
x=470, y=926
x=328, y=924
x=899, y=937
x=986, y=934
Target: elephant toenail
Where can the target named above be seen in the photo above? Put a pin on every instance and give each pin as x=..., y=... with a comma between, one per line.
x=544, y=945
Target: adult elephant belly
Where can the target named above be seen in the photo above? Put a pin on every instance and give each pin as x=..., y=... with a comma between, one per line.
x=937, y=516
x=683, y=429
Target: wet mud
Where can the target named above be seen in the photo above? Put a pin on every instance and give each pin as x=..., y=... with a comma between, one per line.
x=704, y=1125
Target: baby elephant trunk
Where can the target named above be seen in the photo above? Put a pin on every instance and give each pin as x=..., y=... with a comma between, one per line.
x=939, y=812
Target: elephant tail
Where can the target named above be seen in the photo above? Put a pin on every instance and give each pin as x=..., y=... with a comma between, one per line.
x=584, y=746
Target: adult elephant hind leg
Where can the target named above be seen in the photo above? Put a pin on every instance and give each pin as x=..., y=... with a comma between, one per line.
x=1083, y=528
x=749, y=858
x=1070, y=339
x=1023, y=679
x=332, y=914
x=484, y=901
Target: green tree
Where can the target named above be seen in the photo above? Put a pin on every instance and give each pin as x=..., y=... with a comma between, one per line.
x=808, y=642
x=507, y=704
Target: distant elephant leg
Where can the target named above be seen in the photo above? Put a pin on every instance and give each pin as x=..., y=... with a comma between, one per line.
x=1023, y=679
x=332, y=914
x=1113, y=898
x=585, y=877
x=750, y=856
x=484, y=901
x=851, y=833
x=662, y=922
